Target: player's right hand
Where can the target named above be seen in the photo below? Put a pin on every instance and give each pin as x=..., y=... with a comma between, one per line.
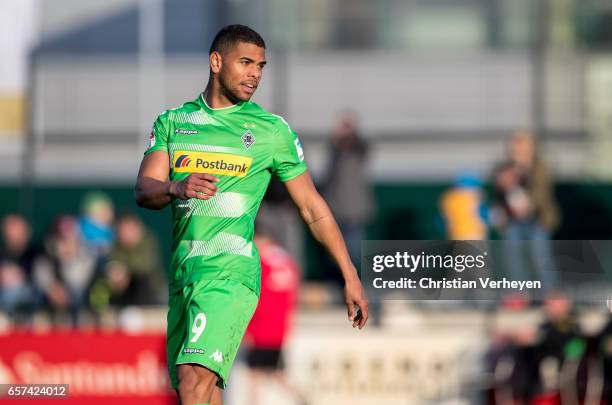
x=354, y=296
x=196, y=185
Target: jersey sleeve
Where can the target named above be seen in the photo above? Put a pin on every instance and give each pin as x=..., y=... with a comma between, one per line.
x=288, y=160
x=158, y=138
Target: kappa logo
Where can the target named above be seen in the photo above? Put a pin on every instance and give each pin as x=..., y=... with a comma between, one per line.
x=217, y=356
x=189, y=350
x=183, y=161
x=185, y=131
x=248, y=138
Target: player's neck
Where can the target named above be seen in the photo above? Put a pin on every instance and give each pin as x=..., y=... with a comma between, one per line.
x=214, y=97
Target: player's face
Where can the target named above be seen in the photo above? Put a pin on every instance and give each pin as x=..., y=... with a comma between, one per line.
x=241, y=70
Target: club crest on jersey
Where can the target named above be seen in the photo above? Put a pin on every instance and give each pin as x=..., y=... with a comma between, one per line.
x=248, y=139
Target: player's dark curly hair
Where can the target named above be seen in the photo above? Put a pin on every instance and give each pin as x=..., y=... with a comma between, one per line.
x=230, y=35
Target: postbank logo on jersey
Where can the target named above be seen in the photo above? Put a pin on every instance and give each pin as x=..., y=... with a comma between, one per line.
x=182, y=161
x=226, y=164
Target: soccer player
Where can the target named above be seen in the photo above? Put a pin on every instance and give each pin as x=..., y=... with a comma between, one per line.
x=211, y=159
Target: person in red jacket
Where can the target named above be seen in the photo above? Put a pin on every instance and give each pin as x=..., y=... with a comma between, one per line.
x=271, y=322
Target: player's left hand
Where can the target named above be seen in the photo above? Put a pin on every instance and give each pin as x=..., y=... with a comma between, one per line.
x=354, y=296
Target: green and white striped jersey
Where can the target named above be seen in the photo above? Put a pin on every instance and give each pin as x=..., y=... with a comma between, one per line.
x=242, y=145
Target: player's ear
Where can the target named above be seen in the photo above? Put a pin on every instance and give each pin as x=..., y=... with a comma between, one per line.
x=215, y=62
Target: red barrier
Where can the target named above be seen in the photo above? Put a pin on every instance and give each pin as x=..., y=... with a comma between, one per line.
x=100, y=368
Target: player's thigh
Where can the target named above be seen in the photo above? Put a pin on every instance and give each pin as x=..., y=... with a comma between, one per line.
x=217, y=397
x=192, y=376
x=218, y=312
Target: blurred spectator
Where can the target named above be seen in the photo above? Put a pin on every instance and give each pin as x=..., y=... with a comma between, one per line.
x=69, y=269
x=526, y=210
x=346, y=186
x=463, y=209
x=513, y=361
x=559, y=326
x=539, y=367
x=271, y=322
x=96, y=223
x=604, y=349
x=133, y=274
x=560, y=344
x=16, y=259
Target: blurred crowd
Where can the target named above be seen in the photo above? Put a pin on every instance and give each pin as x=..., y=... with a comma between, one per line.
x=557, y=363
x=82, y=264
x=520, y=208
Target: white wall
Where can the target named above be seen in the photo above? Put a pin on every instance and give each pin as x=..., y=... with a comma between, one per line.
x=88, y=110
x=391, y=92
x=58, y=16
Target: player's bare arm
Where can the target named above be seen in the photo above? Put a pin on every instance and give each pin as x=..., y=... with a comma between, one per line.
x=323, y=226
x=154, y=191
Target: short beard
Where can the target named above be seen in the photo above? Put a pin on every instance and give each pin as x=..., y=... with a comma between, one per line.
x=227, y=91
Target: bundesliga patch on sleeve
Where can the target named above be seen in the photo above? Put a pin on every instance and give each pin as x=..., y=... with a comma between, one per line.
x=151, y=139
x=299, y=149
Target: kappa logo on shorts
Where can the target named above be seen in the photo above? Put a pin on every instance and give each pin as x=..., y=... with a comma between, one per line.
x=189, y=350
x=217, y=356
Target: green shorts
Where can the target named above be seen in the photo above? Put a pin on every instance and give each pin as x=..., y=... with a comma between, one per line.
x=206, y=323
